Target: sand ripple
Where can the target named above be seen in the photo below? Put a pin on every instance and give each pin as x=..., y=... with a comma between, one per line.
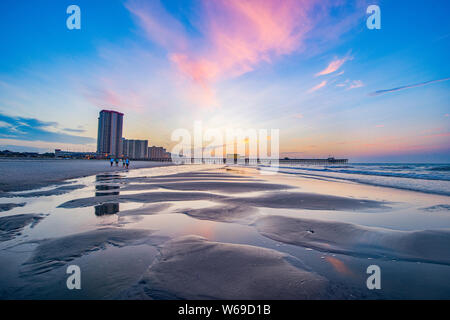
x=11, y=226
x=426, y=246
x=192, y=267
x=53, y=253
x=309, y=201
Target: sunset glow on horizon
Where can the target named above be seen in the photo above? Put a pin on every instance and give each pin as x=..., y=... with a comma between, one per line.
x=310, y=68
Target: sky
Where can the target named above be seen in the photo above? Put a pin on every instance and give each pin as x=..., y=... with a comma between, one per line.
x=310, y=68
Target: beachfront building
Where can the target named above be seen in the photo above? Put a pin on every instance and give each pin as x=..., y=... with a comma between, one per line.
x=135, y=149
x=158, y=153
x=74, y=154
x=109, y=138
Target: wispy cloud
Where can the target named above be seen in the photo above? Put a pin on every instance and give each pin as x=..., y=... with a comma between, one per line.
x=236, y=35
x=350, y=84
x=379, y=92
x=158, y=24
x=74, y=130
x=356, y=84
x=233, y=37
x=334, y=66
x=438, y=135
x=319, y=86
x=31, y=129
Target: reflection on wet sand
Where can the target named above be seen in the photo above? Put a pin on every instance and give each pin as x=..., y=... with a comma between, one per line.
x=106, y=189
x=339, y=266
x=106, y=209
x=108, y=177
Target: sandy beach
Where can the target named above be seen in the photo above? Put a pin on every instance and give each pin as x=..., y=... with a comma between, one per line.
x=222, y=232
x=31, y=174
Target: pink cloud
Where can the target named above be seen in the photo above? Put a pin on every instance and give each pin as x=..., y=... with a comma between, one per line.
x=333, y=66
x=438, y=135
x=107, y=94
x=200, y=70
x=319, y=86
x=432, y=131
x=246, y=33
x=237, y=35
x=228, y=38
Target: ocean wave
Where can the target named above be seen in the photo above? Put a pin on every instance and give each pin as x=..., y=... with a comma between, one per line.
x=339, y=167
x=377, y=171
x=423, y=180
x=397, y=167
x=443, y=168
x=425, y=187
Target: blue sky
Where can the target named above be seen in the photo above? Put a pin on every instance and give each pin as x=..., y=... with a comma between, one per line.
x=307, y=67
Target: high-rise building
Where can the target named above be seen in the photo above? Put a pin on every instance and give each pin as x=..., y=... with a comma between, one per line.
x=135, y=149
x=109, y=138
x=158, y=153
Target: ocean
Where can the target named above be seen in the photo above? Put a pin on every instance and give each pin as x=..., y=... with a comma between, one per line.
x=428, y=178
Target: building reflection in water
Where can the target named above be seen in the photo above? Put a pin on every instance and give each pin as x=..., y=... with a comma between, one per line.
x=107, y=189
x=106, y=209
x=107, y=177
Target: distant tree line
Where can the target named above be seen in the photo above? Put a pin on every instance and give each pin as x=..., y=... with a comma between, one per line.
x=13, y=154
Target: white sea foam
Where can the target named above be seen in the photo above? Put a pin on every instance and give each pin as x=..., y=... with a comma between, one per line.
x=428, y=178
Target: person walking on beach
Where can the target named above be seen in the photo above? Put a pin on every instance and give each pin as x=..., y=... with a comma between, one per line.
x=111, y=161
x=127, y=162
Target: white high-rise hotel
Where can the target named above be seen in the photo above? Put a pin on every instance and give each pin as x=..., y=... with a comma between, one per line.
x=109, y=138
x=135, y=149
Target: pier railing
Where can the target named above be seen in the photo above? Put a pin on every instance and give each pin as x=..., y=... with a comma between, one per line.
x=258, y=161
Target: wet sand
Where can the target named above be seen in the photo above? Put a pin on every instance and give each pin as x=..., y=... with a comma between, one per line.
x=11, y=226
x=52, y=253
x=215, y=232
x=194, y=268
x=332, y=236
x=222, y=213
x=9, y=206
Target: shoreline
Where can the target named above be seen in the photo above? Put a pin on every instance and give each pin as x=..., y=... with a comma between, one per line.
x=40, y=173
